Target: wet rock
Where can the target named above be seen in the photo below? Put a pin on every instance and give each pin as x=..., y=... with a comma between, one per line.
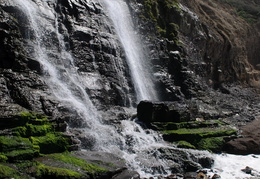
x=182, y=161
x=126, y=174
x=216, y=176
x=115, y=165
x=190, y=175
x=247, y=170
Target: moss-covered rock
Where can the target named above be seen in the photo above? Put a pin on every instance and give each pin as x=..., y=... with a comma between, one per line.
x=50, y=143
x=185, y=144
x=211, y=139
x=3, y=158
x=8, y=172
x=160, y=12
x=35, y=148
x=65, y=165
x=9, y=143
x=67, y=158
x=43, y=171
x=192, y=134
x=32, y=136
x=214, y=144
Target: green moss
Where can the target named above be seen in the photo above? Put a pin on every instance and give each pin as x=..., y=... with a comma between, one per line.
x=35, y=135
x=32, y=125
x=211, y=139
x=9, y=143
x=17, y=155
x=213, y=144
x=26, y=164
x=38, y=130
x=17, y=148
x=43, y=171
x=202, y=132
x=159, y=12
x=67, y=158
x=185, y=144
x=8, y=172
x=33, y=118
x=33, y=130
x=3, y=158
x=51, y=143
x=19, y=131
x=193, y=136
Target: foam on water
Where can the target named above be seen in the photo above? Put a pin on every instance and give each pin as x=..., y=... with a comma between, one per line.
x=229, y=166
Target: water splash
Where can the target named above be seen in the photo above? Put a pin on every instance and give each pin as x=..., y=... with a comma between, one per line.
x=230, y=166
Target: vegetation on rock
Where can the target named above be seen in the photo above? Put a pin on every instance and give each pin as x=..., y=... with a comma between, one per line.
x=248, y=11
x=160, y=12
x=8, y=172
x=211, y=139
x=23, y=154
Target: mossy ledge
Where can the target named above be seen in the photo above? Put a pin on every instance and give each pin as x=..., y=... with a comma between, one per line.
x=211, y=139
x=58, y=165
x=32, y=147
x=186, y=127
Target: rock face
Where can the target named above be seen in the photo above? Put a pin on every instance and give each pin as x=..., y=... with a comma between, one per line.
x=224, y=35
x=198, y=56
x=209, y=36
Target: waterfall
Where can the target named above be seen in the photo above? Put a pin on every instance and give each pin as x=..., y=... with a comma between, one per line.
x=46, y=44
x=137, y=146
x=135, y=52
x=61, y=76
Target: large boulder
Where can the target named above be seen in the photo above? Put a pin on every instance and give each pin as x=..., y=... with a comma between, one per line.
x=249, y=143
x=148, y=112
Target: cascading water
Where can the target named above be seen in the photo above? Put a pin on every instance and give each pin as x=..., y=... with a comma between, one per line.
x=137, y=146
x=138, y=63
x=132, y=143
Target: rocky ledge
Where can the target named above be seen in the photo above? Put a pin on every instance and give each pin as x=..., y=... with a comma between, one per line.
x=208, y=122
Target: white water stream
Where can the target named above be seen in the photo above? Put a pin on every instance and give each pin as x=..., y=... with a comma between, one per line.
x=135, y=52
x=137, y=146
